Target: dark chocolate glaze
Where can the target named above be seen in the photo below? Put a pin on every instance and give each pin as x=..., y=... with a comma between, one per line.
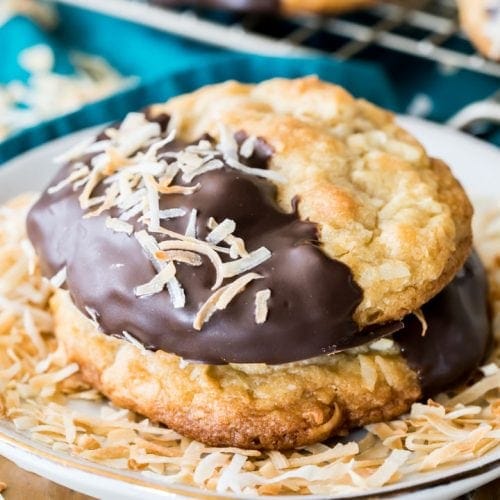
x=262, y=6
x=312, y=300
x=458, y=334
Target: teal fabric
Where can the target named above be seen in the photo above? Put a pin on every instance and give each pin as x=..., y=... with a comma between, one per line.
x=20, y=33
x=167, y=65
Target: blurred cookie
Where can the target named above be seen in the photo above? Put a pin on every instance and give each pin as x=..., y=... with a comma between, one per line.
x=270, y=6
x=480, y=19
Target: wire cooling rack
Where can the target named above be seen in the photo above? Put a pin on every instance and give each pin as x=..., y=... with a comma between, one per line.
x=422, y=28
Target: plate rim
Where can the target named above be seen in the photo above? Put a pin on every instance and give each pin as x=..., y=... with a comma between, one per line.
x=41, y=451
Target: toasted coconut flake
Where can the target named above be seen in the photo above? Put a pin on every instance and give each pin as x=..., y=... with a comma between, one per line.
x=383, y=344
x=119, y=226
x=234, y=288
x=132, y=211
x=227, y=143
x=92, y=182
x=478, y=389
x=208, y=465
x=420, y=316
x=132, y=340
x=248, y=146
x=212, y=164
x=153, y=201
x=244, y=264
x=145, y=168
x=78, y=174
x=186, y=190
x=59, y=278
x=150, y=247
x=55, y=377
x=220, y=299
x=387, y=370
x=261, y=309
x=154, y=149
x=176, y=292
x=191, y=225
x=198, y=247
x=172, y=213
x=489, y=369
x=169, y=174
x=157, y=283
x=387, y=470
x=34, y=332
x=368, y=371
x=132, y=199
x=236, y=245
x=136, y=137
x=108, y=202
x=258, y=172
x=73, y=153
x=188, y=161
x=221, y=231
x=184, y=256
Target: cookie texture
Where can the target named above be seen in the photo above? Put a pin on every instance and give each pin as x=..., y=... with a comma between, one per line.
x=249, y=406
x=395, y=216
x=480, y=19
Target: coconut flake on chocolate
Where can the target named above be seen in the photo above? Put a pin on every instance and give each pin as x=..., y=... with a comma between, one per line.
x=131, y=176
x=157, y=283
x=219, y=300
x=119, y=226
x=191, y=225
x=261, y=308
x=78, y=174
x=253, y=259
x=220, y=231
x=148, y=186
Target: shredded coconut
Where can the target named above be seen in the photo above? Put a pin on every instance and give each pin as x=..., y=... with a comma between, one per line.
x=39, y=383
x=132, y=165
x=119, y=226
x=261, y=309
x=59, y=278
x=46, y=93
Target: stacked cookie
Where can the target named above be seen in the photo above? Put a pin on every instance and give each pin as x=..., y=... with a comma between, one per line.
x=262, y=266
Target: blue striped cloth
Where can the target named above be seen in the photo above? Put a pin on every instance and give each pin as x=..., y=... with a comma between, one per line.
x=168, y=65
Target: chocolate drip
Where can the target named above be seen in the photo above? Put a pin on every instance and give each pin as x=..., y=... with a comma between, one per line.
x=312, y=299
x=458, y=333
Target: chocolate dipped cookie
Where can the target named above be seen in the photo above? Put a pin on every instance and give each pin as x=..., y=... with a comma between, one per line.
x=262, y=266
x=271, y=6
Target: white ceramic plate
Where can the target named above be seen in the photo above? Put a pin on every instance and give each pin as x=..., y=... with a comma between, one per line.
x=475, y=163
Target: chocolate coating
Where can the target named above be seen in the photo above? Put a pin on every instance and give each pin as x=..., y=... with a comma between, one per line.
x=458, y=334
x=312, y=299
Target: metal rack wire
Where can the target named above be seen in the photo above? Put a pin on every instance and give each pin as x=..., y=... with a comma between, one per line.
x=423, y=28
